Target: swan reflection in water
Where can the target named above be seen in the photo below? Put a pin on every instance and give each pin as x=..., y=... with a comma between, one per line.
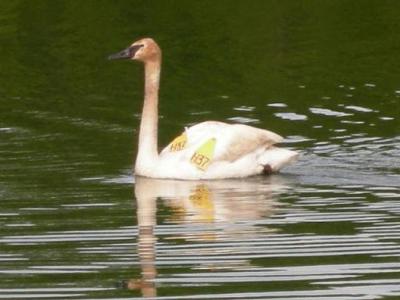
x=216, y=206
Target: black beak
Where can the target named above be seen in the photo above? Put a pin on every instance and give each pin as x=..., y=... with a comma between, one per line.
x=126, y=53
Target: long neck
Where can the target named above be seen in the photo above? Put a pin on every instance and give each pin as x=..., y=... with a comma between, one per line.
x=148, y=145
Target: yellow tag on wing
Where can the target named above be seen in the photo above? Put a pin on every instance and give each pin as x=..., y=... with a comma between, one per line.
x=203, y=156
x=179, y=143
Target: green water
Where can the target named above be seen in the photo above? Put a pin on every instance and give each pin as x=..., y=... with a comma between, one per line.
x=73, y=222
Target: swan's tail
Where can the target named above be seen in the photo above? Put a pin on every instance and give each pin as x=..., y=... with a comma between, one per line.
x=277, y=158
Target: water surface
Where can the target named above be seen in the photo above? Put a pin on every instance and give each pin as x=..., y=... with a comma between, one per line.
x=76, y=224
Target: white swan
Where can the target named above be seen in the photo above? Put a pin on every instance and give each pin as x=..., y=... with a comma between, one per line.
x=208, y=150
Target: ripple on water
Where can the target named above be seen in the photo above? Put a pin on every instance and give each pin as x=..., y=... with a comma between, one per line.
x=244, y=120
x=328, y=112
x=277, y=104
x=52, y=117
x=359, y=108
x=291, y=116
x=244, y=108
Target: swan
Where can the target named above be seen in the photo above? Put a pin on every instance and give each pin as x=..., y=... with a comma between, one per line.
x=208, y=150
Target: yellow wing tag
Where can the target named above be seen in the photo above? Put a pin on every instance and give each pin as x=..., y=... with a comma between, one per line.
x=202, y=157
x=179, y=143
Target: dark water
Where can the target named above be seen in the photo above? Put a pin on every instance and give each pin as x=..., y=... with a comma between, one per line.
x=76, y=224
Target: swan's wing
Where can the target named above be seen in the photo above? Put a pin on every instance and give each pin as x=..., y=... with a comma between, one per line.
x=232, y=140
x=238, y=140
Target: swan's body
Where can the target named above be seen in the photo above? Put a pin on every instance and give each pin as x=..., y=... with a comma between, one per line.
x=239, y=151
x=208, y=150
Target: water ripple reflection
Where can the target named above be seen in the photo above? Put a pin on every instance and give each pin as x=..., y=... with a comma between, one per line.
x=219, y=238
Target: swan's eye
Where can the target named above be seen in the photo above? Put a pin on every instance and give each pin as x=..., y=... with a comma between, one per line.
x=133, y=49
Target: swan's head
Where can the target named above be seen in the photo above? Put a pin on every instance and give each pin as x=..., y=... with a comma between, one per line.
x=144, y=50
